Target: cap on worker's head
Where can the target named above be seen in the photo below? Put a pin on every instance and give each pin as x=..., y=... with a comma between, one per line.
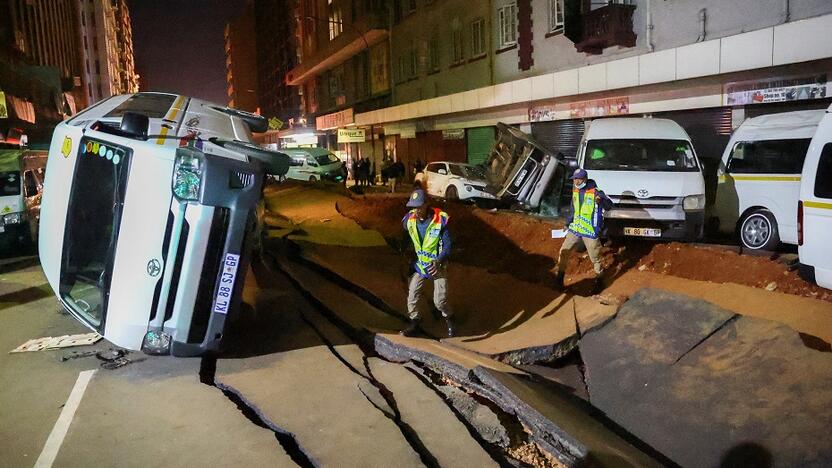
x=417, y=199
x=579, y=174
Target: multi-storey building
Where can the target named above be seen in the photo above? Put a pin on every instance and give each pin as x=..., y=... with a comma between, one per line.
x=343, y=69
x=107, y=48
x=241, y=61
x=45, y=33
x=555, y=64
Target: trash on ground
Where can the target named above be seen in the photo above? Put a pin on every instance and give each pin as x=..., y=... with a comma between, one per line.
x=77, y=355
x=56, y=342
x=114, y=358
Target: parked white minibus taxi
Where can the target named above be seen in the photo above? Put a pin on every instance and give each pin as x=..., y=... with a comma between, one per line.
x=814, y=212
x=650, y=171
x=148, y=201
x=759, y=178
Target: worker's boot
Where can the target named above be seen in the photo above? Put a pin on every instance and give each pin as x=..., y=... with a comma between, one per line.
x=559, y=280
x=412, y=328
x=451, y=329
x=598, y=285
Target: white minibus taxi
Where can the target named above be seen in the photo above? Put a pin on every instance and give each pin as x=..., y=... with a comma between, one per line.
x=759, y=178
x=148, y=202
x=814, y=211
x=651, y=173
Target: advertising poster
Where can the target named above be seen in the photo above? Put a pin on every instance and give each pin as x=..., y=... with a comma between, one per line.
x=776, y=90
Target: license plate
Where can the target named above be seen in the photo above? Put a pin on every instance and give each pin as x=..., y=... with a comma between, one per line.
x=228, y=274
x=642, y=232
x=2, y=228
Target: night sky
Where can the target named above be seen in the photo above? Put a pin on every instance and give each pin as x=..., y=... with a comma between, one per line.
x=179, y=45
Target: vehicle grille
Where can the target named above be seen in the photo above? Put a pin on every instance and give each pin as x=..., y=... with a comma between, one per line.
x=177, y=270
x=629, y=201
x=165, y=244
x=208, y=279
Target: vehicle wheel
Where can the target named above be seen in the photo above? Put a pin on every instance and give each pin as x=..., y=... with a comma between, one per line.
x=312, y=179
x=451, y=193
x=758, y=231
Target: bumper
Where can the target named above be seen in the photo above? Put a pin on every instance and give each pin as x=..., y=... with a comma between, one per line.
x=335, y=176
x=12, y=233
x=690, y=228
x=209, y=260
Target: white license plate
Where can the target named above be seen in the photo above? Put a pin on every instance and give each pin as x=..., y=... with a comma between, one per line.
x=642, y=232
x=2, y=229
x=228, y=274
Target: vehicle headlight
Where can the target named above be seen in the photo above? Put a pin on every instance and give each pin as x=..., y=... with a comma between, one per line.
x=694, y=202
x=156, y=342
x=469, y=188
x=187, y=174
x=12, y=218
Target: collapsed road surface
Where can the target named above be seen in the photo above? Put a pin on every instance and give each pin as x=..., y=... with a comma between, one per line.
x=685, y=372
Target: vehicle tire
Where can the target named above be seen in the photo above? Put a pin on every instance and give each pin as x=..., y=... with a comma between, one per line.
x=758, y=231
x=312, y=179
x=451, y=193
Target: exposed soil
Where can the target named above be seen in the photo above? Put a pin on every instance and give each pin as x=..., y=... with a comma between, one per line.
x=521, y=245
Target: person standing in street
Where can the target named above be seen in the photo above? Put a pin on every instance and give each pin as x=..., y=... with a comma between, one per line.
x=428, y=231
x=585, y=223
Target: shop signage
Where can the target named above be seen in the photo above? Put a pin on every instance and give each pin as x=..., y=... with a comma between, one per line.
x=541, y=113
x=335, y=120
x=777, y=90
x=599, y=107
x=455, y=134
x=379, y=66
x=355, y=135
x=4, y=111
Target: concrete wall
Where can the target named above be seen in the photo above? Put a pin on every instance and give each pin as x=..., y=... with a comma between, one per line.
x=437, y=20
x=676, y=23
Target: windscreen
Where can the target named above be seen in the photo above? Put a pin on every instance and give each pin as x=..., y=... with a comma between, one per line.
x=92, y=225
x=328, y=158
x=769, y=156
x=9, y=183
x=640, y=155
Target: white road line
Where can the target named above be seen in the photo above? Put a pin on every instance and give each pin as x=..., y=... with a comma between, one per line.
x=56, y=437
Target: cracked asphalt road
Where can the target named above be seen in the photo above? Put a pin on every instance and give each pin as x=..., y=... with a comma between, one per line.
x=292, y=390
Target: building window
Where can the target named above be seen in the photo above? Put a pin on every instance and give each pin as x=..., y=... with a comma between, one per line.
x=555, y=15
x=97, y=69
x=507, y=16
x=413, y=61
x=458, y=53
x=85, y=43
x=409, y=6
x=336, y=24
x=433, y=54
x=477, y=37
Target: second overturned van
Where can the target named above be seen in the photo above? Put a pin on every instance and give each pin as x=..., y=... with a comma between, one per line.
x=149, y=204
x=650, y=171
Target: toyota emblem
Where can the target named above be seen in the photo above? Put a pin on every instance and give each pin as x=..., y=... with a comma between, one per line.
x=154, y=267
x=643, y=193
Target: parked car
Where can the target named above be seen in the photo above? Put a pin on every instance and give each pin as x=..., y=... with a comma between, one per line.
x=149, y=202
x=21, y=183
x=814, y=209
x=454, y=181
x=649, y=169
x=759, y=178
x=314, y=164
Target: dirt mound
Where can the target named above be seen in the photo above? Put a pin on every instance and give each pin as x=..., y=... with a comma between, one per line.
x=521, y=245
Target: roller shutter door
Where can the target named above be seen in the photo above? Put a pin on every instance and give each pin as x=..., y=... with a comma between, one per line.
x=560, y=136
x=480, y=141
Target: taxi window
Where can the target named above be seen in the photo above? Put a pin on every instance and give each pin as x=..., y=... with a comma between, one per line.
x=154, y=106
x=823, y=179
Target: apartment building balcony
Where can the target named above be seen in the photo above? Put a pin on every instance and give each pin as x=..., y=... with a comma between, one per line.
x=368, y=31
x=608, y=26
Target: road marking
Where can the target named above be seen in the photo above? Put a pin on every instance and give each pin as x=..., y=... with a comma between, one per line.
x=56, y=437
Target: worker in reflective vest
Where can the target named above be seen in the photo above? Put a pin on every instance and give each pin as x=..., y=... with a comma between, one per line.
x=428, y=231
x=585, y=223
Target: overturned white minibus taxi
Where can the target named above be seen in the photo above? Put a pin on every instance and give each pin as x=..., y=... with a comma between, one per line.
x=149, y=205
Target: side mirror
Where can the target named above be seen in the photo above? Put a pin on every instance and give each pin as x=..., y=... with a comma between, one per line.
x=571, y=163
x=135, y=125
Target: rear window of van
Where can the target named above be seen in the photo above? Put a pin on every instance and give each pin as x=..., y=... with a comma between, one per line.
x=823, y=179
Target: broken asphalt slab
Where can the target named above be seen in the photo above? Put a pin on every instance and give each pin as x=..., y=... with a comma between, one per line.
x=540, y=409
x=709, y=393
x=445, y=436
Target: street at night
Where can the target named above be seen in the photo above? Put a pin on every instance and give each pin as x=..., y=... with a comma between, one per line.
x=349, y=233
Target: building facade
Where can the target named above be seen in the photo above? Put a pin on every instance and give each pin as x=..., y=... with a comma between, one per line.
x=107, y=49
x=241, y=61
